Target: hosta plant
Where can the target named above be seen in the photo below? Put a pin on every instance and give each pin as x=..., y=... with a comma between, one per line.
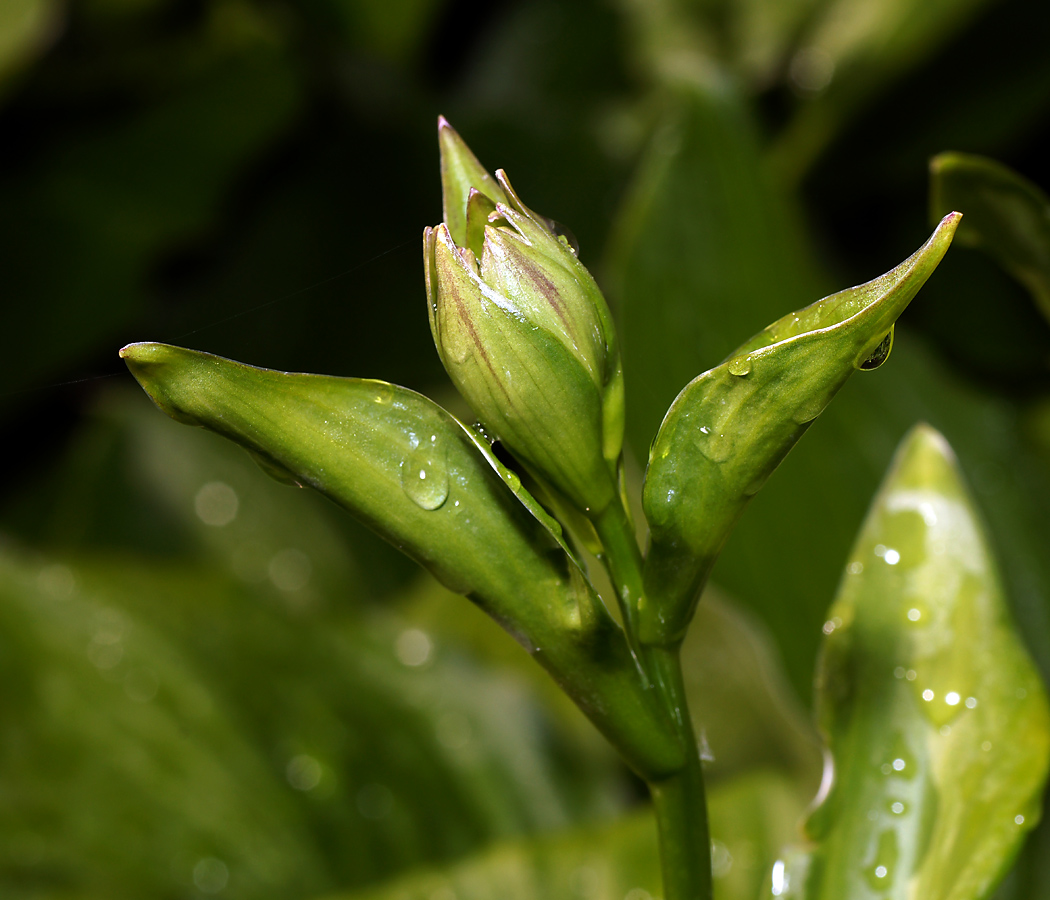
x=935, y=721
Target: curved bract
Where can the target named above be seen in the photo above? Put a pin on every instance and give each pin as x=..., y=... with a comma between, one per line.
x=415, y=475
x=1006, y=215
x=935, y=718
x=730, y=428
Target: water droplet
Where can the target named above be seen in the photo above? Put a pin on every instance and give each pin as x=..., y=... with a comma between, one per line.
x=911, y=675
x=898, y=808
x=780, y=880
x=914, y=614
x=740, y=365
x=1019, y=820
x=721, y=859
x=952, y=698
x=986, y=746
x=971, y=702
x=879, y=355
x=879, y=872
x=892, y=557
x=384, y=393
x=899, y=672
x=927, y=695
x=210, y=875
x=424, y=475
x=216, y=504
x=413, y=647
x=566, y=236
x=808, y=411
x=304, y=772
x=900, y=760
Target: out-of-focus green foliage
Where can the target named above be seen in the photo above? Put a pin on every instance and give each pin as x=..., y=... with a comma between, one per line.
x=257, y=174
x=936, y=720
x=1006, y=215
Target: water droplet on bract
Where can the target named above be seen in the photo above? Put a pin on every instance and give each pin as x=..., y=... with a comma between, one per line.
x=424, y=475
x=808, y=412
x=879, y=871
x=565, y=235
x=879, y=355
x=740, y=365
x=384, y=393
x=898, y=808
x=901, y=761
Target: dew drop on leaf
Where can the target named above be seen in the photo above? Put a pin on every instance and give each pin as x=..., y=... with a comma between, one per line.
x=879, y=355
x=424, y=475
x=740, y=365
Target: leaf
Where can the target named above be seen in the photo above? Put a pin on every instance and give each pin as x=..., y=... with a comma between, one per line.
x=731, y=427
x=850, y=53
x=612, y=862
x=935, y=717
x=1006, y=215
x=412, y=473
x=26, y=28
x=161, y=714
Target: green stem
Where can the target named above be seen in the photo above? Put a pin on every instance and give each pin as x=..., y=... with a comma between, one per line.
x=678, y=799
x=623, y=561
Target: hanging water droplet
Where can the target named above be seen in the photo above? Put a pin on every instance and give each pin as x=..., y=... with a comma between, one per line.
x=424, y=475
x=879, y=355
x=740, y=365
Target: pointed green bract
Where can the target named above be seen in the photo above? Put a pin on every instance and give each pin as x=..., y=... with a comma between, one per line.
x=935, y=718
x=416, y=476
x=1006, y=215
x=461, y=171
x=731, y=427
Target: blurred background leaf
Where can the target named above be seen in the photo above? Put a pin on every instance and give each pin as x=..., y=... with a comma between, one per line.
x=250, y=177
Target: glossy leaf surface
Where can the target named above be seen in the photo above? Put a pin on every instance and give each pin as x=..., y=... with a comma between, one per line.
x=411, y=472
x=615, y=861
x=1006, y=215
x=731, y=427
x=171, y=713
x=936, y=720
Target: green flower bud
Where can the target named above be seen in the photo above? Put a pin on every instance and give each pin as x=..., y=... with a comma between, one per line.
x=524, y=332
